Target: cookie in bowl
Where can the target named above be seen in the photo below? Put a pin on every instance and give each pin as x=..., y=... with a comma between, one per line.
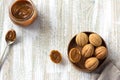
x=74, y=55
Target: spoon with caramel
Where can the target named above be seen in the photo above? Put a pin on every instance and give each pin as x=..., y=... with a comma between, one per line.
x=10, y=39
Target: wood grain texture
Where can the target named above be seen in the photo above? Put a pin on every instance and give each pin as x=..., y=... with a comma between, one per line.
x=57, y=22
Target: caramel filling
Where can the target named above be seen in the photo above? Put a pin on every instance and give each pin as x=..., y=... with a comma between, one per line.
x=22, y=10
x=75, y=55
x=55, y=56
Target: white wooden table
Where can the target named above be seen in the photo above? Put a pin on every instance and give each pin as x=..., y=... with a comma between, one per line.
x=58, y=21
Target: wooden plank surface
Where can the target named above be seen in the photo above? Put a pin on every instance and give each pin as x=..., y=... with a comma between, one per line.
x=58, y=21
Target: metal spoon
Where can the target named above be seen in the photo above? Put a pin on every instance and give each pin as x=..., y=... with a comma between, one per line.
x=10, y=39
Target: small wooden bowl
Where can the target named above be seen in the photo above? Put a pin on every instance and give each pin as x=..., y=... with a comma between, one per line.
x=23, y=12
x=80, y=65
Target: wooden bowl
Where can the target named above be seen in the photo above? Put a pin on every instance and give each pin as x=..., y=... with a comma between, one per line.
x=23, y=12
x=80, y=64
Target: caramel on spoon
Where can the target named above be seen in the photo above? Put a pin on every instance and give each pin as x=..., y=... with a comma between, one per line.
x=10, y=39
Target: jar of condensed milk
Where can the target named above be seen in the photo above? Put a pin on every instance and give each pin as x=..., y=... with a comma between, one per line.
x=23, y=12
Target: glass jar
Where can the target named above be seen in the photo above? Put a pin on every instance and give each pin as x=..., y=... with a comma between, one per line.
x=23, y=12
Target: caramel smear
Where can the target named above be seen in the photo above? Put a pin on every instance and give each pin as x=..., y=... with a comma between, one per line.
x=22, y=10
x=55, y=56
x=11, y=35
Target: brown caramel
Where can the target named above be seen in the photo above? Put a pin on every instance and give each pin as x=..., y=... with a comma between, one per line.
x=55, y=56
x=22, y=10
x=11, y=35
x=74, y=55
